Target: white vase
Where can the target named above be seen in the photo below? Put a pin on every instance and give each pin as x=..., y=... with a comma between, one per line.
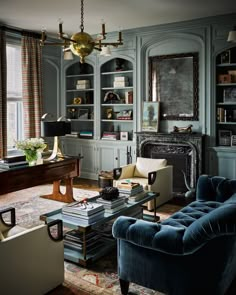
x=39, y=157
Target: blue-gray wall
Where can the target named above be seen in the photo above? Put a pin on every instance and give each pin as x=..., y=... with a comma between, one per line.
x=206, y=36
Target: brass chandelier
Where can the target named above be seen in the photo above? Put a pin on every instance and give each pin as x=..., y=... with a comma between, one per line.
x=81, y=43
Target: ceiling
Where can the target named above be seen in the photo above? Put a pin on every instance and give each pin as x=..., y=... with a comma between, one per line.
x=125, y=14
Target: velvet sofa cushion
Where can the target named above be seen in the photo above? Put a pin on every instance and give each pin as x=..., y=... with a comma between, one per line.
x=146, y=165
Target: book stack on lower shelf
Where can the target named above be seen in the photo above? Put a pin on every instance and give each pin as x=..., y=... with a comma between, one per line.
x=13, y=162
x=108, y=135
x=79, y=241
x=84, y=213
x=113, y=205
x=86, y=134
x=73, y=134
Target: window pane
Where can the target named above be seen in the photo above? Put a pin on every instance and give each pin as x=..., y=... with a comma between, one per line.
x=14, y=76
x=14, y=95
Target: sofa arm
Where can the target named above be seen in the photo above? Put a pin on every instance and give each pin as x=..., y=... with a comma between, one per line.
x=123, y=172
x=155, y=236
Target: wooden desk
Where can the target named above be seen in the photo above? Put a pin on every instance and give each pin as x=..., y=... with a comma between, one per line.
x=55, y=171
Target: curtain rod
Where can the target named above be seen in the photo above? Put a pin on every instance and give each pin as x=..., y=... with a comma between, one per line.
x=19, y=31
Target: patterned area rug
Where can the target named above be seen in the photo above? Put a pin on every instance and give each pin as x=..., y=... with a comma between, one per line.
x=99, y=278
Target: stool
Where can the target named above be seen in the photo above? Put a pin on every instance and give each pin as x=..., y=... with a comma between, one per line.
x=105, y=178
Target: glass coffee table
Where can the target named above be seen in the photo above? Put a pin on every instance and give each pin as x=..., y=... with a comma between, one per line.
x=104, y=244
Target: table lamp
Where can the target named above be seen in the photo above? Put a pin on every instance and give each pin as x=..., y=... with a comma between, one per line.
x=54, y=129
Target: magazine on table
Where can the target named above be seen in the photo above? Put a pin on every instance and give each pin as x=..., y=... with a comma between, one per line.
x=83, y=208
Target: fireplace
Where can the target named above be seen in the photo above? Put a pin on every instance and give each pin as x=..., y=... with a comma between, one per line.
x=182, y=150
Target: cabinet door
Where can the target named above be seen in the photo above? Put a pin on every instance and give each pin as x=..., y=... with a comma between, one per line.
x=125, y=155
x=88, y=162
x=107, y=157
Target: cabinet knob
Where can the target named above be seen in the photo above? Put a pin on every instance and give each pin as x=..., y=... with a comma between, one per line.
x=116, y=158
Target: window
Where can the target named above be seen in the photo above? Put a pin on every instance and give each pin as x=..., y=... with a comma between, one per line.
x=15, y=130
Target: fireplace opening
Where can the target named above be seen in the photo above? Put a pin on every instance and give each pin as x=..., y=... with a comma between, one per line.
x=182, y=151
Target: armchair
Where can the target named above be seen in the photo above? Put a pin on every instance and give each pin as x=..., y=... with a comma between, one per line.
x=32, y=260
x=154, y=174
x=191, y=252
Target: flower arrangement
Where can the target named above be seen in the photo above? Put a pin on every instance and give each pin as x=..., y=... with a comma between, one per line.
x=31, y=144
x=30, y=148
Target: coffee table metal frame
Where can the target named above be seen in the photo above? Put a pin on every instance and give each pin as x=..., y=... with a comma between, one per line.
x=82, y=257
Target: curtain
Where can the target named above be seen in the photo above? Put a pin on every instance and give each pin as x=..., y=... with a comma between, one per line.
x=32, y=84
x=3, y=95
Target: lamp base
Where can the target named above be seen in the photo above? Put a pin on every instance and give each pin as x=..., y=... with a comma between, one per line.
x=56, y=152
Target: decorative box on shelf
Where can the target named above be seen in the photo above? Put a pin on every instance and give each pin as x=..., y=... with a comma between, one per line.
x=118, y=84
x=121, y=82
x=83, y=84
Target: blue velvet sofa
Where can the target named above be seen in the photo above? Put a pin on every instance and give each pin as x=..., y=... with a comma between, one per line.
x=193, y=252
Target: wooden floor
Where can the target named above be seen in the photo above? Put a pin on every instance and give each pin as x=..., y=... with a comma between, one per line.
x=86, y=184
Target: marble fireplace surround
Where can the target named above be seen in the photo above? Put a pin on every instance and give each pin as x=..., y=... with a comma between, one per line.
x=182, y=150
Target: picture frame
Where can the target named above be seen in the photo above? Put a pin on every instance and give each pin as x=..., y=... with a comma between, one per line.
x=151, y=116
x=229, y=94
x=173, y=81
x=123, y=135
x=225, y=57
x=225, y=137
x=83, y=114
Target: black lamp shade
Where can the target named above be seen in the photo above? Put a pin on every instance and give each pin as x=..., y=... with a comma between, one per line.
x=55, y=128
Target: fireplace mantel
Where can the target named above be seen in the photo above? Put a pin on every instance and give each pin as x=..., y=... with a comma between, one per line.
x=182, y=150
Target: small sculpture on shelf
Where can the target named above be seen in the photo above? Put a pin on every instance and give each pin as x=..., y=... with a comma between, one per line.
x=72, y=113
x=119, y=64
x=111, y=97
x=187, y=129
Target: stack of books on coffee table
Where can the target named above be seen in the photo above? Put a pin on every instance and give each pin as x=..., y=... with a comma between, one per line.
x=129, y=188
x=77, y=240
x=113, y=205
x=83, y=213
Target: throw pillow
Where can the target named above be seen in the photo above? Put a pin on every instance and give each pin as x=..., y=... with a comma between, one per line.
x=146, y=165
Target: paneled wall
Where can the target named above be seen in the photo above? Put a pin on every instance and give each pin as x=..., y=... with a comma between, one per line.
x=206, y=36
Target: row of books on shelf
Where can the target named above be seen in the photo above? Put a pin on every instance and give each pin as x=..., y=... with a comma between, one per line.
x=81, y=134
x=226, y=115
x=13, y=162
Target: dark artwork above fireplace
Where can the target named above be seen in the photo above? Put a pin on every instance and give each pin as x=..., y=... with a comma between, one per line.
x=183, y=151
